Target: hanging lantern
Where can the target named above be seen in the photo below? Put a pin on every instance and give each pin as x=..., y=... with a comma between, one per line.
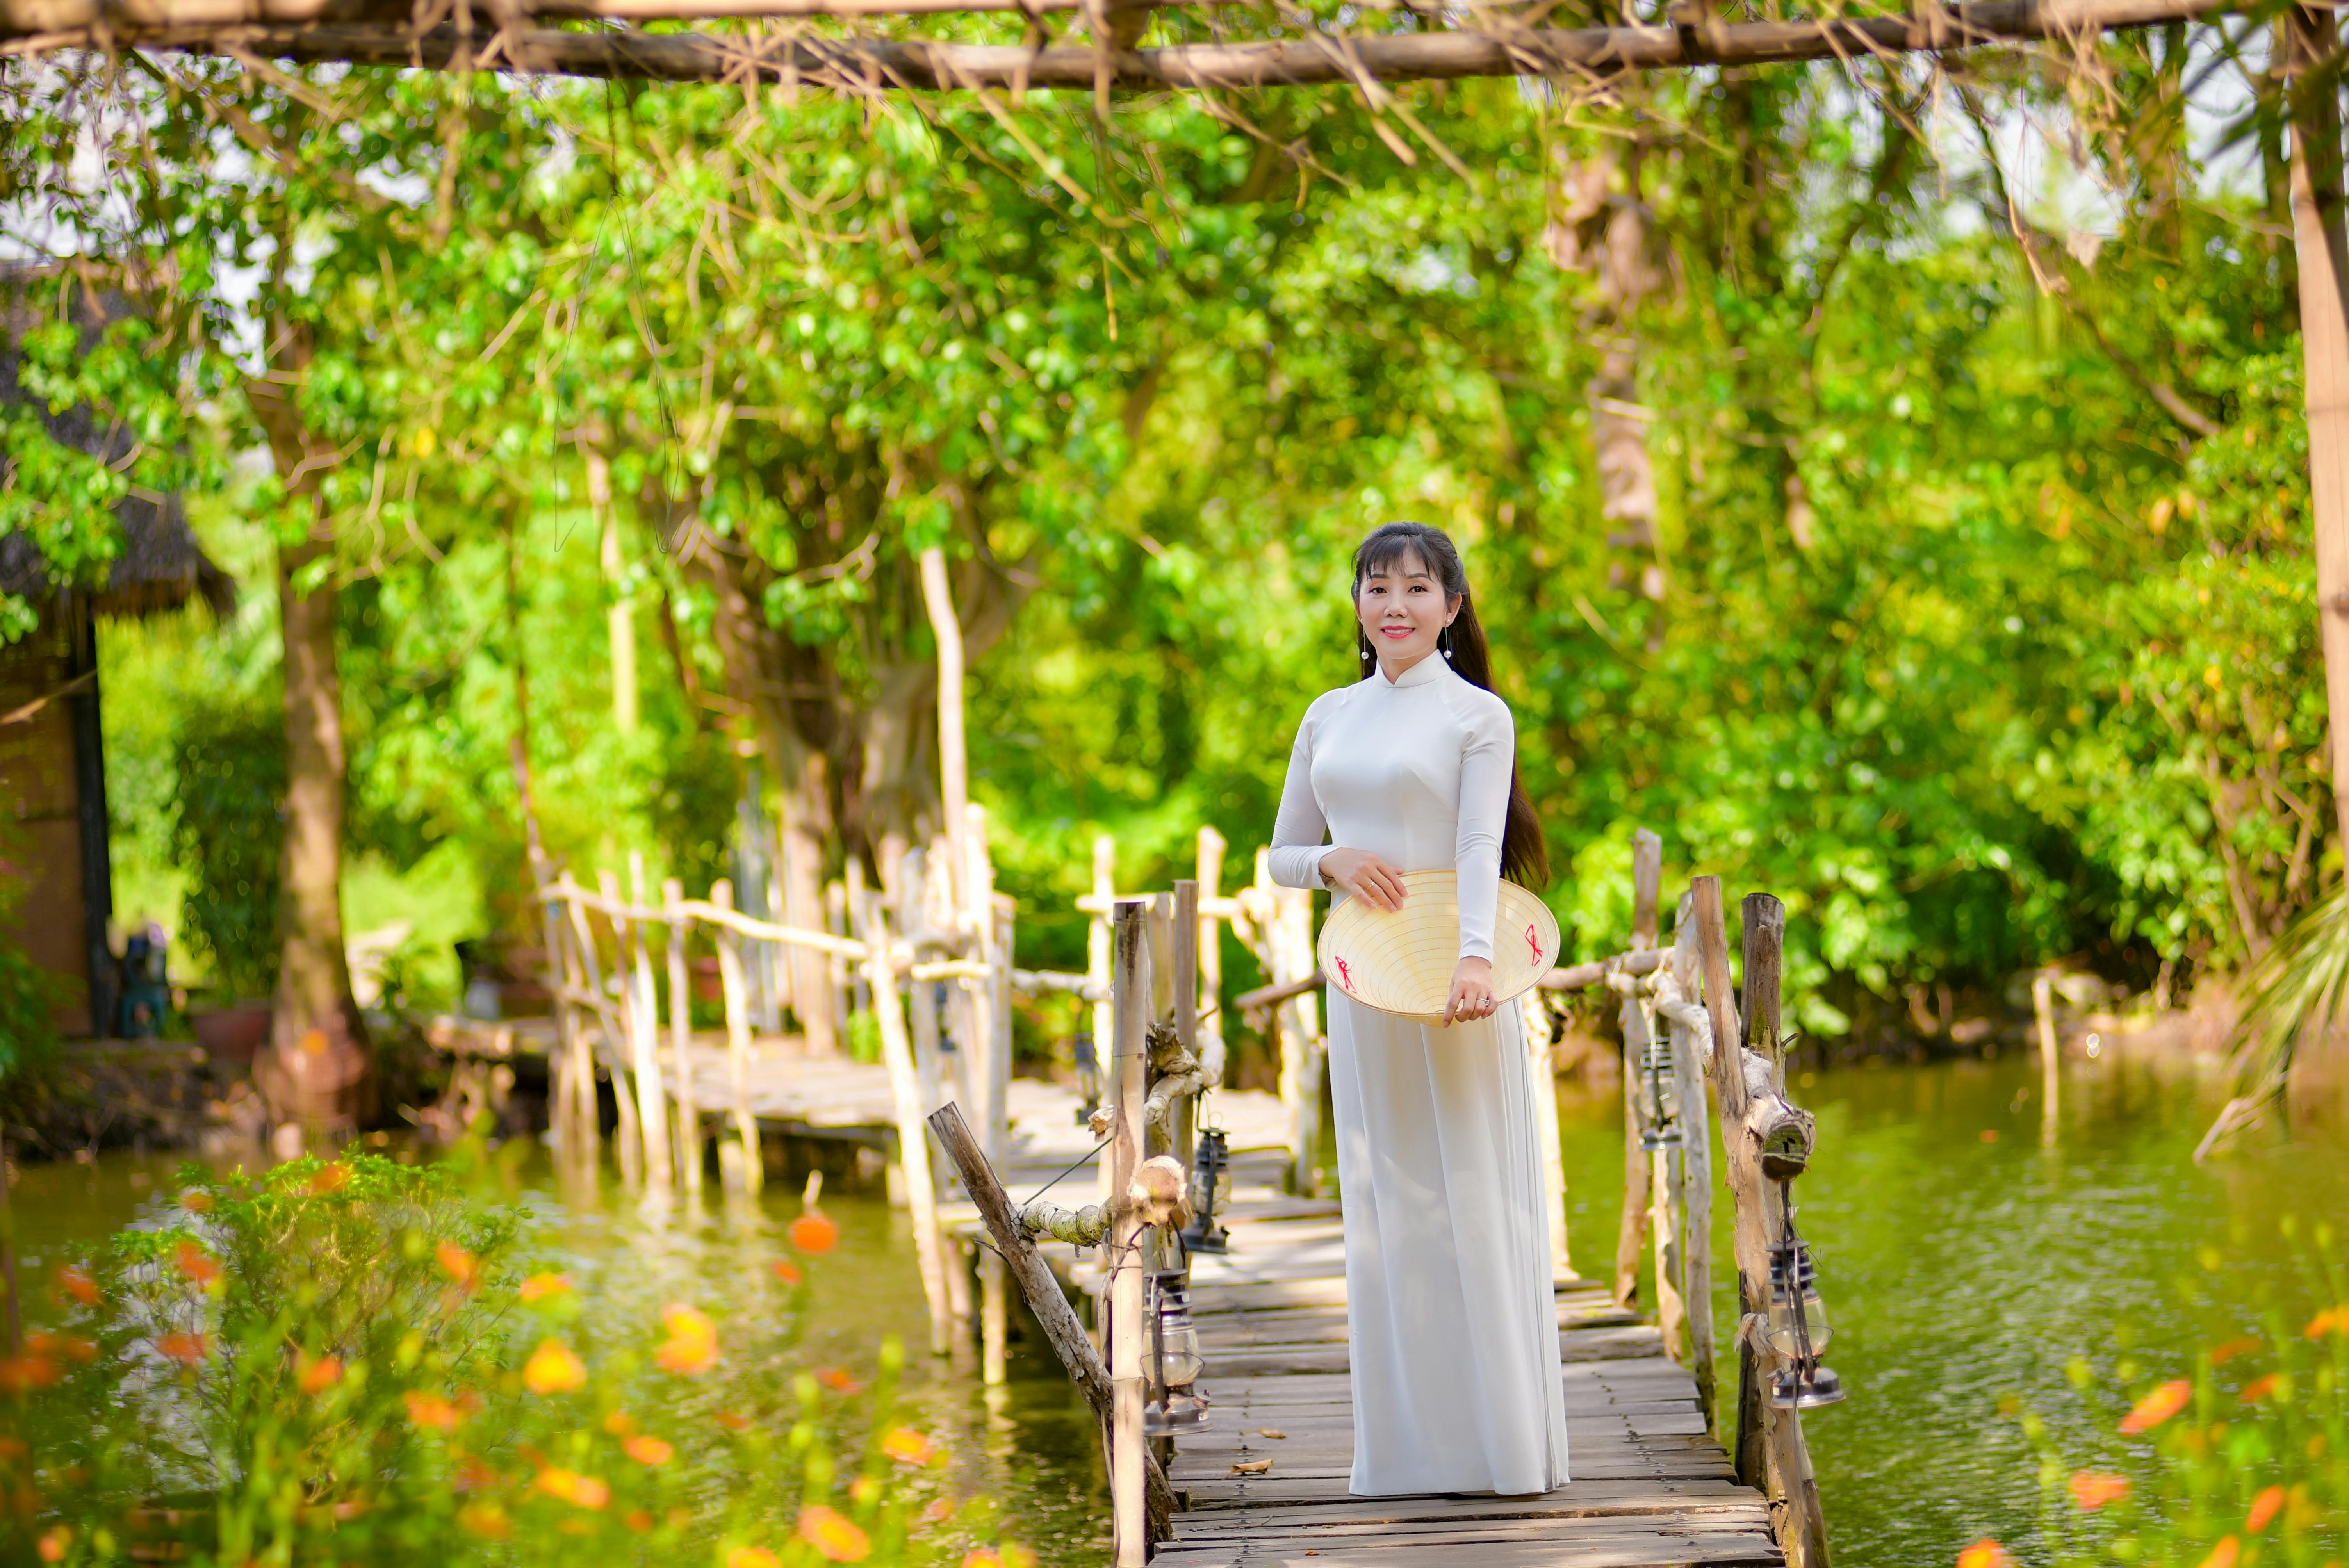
x=1660, y=1129
x=1798, y=1328
x=1088, y=1076
x=1175, y=1403
x=1211, y=1165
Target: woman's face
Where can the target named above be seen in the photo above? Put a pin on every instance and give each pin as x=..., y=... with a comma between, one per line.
x=1403, y=608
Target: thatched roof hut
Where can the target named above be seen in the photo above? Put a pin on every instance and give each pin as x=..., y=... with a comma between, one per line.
x=53, y=821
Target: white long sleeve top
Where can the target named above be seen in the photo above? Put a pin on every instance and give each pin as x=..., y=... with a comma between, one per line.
x=1415, y=770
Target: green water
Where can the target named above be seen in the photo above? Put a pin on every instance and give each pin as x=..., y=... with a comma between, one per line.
x=1959, y=1273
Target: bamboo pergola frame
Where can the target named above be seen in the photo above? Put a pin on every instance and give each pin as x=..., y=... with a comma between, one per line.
x=1497, y=42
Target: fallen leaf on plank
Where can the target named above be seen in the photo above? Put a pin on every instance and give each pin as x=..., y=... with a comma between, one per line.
x=1270, y=1432
x=1251, y=1466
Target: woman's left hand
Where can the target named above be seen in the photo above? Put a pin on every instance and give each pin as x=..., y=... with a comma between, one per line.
x=1472, y=992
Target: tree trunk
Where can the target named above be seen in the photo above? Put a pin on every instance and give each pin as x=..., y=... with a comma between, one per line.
x=2323, y=258
x=318, y=1073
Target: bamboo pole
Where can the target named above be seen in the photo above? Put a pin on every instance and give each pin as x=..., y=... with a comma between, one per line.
x=1098, y=943
x=863, y=65
x=1689, y=1064
x=737, y=1044
x=680, y=1038
x=990, y=1012
x=2051, y=1081
x=644, y=1033
x=1182, y=1123
x=1131, y=981
x=1666, y=1166
x=1639, y=1166
x=1209, y=868
x=613, y=1020
x=912, y=1145
x=953, y=777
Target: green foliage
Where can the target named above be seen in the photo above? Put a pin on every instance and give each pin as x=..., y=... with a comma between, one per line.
x=2245, y=1459
x=228, y=760
x=348, y=1359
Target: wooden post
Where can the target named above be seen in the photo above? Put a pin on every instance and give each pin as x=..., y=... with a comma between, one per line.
x=1209, y=871
x=990, y=1034
x=2312, y=37
x=1728, y=1081
x=2050, y=1082
x=1130, y=988
x=1793, y=1489
x=1041, y=1287
x=953, y=777
x=1695, y=1169
x=913, y=1144
x=680, y=1037
x=1182, y=1121
x=1640, y=1167
x=644, y=1016
x=1667, y=1166
x=738, y=1044
x=610, y=1023
x=1098, y=945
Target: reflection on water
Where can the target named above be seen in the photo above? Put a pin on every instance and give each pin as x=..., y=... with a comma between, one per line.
x=1030, y=1445
x=1962, y=1268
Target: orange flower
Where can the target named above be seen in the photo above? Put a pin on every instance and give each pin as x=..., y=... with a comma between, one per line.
x=649, y=1451
x=833, y=1534
x=813, y=1232
x=907, y=1447
x=692, y=1345
x=938, y=1511
x=72, y=1346
x=317, y=1376
x=837, y=1380
x=752, y=1557
x=579, y=1490
x=733, y=1422
x=1986, y=1554
x=553, y=1369
x=1989, y=1135
x=26, y=1373
x=539, y=1286
x=330, y=1178
x=2092, y=1489
x=196, y=1201
x=2223, y=1354
x=197, y=1265
x=2158, y=1406
x=2332, y=1320
x=458, y=1264
x=54, y=1542
x=788, y=1272
x=619, y=1423
x=473, y=1474
x=187, y=1349
x=2259, y=1388
x=486, y=1520
x=2223, y=1555
x=75, y=1281
x=432, y=1410
x=982, y=1557
x=2264, y=1508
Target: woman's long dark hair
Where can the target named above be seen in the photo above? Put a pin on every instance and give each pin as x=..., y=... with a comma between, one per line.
x=1525, y=853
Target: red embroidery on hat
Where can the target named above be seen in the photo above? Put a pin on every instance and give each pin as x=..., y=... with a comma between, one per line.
x=1533, y=940
x=1344, y=978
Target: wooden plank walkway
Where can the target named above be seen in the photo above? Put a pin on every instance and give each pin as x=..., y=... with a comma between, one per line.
x=1650, y=1487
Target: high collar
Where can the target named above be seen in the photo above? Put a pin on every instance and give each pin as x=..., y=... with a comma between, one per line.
x=1430, y=668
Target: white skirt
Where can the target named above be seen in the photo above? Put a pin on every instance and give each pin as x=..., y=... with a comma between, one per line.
x=1450, y=1321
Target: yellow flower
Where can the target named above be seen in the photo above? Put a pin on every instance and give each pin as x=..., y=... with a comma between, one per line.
x=692, y=1344
x=752, y=1557
x=539, y=1286
x=907, y=1447
x=579, y=1490
x=553, y=1369
x=486, y=1520
x=833, y=1534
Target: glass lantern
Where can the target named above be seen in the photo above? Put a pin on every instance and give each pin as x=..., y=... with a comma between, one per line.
x=1211, y=1165
x=1661, y=1128
x=1175, y=1403
x=1089, y=1084
x=1798, y=1329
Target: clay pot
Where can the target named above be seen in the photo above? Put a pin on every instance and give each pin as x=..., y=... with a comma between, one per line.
x=233, y=1034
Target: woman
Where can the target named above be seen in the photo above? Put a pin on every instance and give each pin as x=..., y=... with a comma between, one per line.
x=1451, y=1322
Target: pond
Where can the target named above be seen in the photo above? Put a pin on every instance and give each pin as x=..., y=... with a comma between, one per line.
x=1969, y=1275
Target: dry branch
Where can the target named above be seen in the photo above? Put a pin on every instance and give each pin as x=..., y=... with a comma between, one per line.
x=360, y=32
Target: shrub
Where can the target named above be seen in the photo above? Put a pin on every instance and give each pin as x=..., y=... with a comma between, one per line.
x=343, y=1362
x=228, y=765
x=2241, y=1459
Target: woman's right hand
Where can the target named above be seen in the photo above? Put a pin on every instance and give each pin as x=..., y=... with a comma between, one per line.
x=1365, y=876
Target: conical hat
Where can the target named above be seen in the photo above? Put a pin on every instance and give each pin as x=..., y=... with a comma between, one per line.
x=1400, y=961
